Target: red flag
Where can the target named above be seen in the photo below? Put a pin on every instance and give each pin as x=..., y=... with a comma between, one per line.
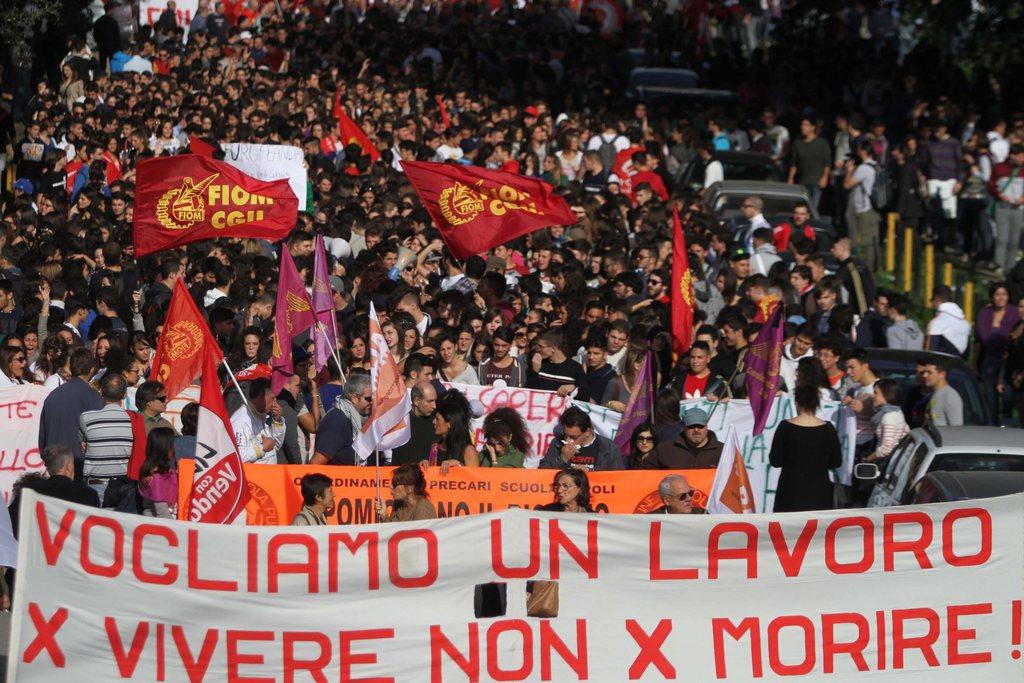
x=683, y=299
x=446, y=120
x=476, y=209
x=293, y=316
x=352, y=134
x=182, y=344
x=190, y=198
x=388, y=424
x=205, y=147
x=219, y=492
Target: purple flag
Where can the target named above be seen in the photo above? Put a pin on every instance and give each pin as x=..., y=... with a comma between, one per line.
x=325, y=333
x=761, y=363
x=294, y=315
x=638, y=410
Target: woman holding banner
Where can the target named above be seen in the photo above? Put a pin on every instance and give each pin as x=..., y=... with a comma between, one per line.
x=572, y=492
x=411, y=501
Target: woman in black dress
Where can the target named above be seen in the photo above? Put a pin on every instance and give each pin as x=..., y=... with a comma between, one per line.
x=806, y=448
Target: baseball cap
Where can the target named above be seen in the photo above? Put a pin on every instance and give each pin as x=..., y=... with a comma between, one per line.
x=532, y=111
x=337, y=284
x=739, y=254
x=695, y=416
x=24, y=185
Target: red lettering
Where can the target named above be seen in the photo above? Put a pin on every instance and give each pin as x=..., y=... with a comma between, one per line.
x=549, y=641
x=830, y=647
x=252, y=564
x=868, y=553
x=918, y=547
x=116, y=553
x=984, y=551
x=276, y=567
x=791, y=561
x=126, y=661
x=353, y=545
x=774, y=656
x=440, y=645
x=901, y=642
x=315, y=667
x=723, y=627
x=430, y=574
x=46, y=635
x=497, y=557
x=196, y=581
x=349, y=658
x=588, y=562
x=656, y=572
x=747, y=552
x=650, y=649
x=493, y=666
x=170, y=574
x=53, y=545
x=956, y=635
x=196, y=667
x=237, y=659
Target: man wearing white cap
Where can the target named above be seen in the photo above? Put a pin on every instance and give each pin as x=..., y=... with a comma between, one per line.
x=696, y=447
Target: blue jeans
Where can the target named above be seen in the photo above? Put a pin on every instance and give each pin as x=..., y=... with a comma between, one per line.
x=991, y=367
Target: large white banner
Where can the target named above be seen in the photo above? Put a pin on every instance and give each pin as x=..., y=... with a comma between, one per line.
x=755, y=449
x=925, y=594
x=270, y=162
x=20, y=408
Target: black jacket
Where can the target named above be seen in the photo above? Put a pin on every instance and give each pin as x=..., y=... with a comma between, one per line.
x=680, y=455
x=59, y=487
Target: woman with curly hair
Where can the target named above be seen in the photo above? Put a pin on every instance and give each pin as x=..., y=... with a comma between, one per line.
x=506, y=439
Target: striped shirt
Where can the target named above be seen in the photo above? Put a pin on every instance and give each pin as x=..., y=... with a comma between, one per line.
x=107, y=434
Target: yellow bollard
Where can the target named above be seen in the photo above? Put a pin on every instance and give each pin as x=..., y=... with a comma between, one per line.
x=890, y=244
x=929, y=272
x=908, y=259
x=969, y=300
x=947, y=274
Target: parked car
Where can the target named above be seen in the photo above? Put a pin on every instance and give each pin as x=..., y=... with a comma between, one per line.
x=902, y=366
x=949, y=487
x=735, y=165
x=724, y=199
x=941, y=449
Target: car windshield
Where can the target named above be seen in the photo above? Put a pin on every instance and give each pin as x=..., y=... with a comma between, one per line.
x=977, y=462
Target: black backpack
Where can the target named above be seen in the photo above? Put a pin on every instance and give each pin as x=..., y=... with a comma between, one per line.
x=883, y=190
x=608, y=152
x=122, y=495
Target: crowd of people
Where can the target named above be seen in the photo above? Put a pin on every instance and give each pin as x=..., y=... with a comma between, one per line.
x=574, y=310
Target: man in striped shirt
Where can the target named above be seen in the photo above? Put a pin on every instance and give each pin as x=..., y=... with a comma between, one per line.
x=106, y=436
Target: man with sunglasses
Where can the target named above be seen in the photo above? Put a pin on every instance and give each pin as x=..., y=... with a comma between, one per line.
x=696, y=447
x=677, y=496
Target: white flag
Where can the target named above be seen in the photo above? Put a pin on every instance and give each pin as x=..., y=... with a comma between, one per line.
x=731, y=492
x=388, y=424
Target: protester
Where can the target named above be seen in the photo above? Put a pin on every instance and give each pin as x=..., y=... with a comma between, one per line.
x=335, y=438
x=889, y=423
x=185, y=443
x=506, y=439
x=106, y=436
x=258, y=426
x=59, y=419
x=946, y=406
x=453, y=444
x=59, y=483
x=580, y=447
x=993, y=326
x=411, y=500
x=948, y=332
x=421, y=425
x=572, y=492
x=696, y=447
x=151, y=402
x=642, y=445
x=158, y=478
x=317, y=500
x=677, y=497
x=805, y=448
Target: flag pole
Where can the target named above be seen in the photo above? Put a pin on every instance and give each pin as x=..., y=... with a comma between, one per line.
x=376, y=459
x=241, y=393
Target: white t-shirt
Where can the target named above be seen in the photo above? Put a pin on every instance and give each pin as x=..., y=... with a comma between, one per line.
x=860, y=193
x=713, y=173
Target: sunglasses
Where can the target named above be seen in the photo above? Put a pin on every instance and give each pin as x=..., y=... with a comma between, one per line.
x=645, y=439
x=654, y=282
x=686, y=495
x=696, y=426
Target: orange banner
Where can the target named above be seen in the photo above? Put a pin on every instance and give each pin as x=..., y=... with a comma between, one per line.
x=275, y=498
